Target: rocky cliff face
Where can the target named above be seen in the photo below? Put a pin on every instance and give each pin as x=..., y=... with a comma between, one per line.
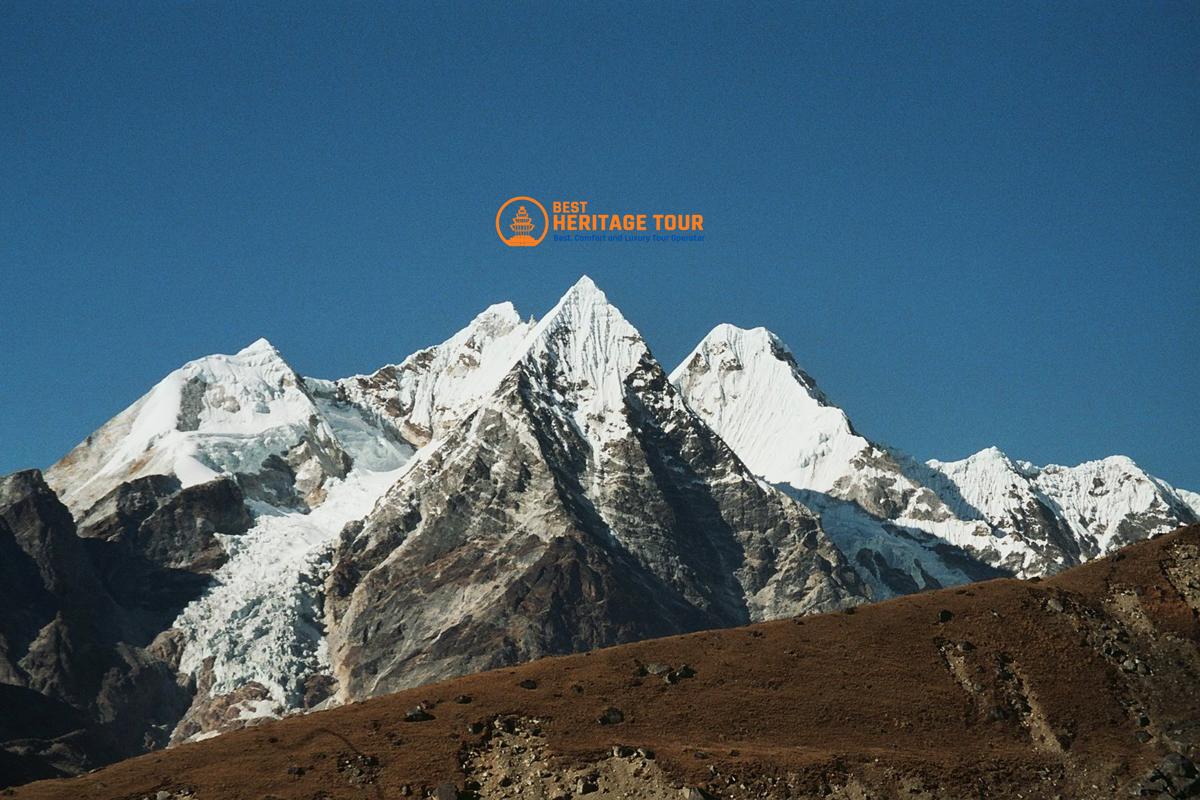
x=81, y=683
x=156, y=543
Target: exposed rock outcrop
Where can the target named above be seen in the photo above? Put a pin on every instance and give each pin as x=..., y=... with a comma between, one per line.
x=78, y=689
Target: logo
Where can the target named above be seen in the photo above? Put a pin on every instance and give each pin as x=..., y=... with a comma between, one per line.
x=516, y=227
x=524, y=222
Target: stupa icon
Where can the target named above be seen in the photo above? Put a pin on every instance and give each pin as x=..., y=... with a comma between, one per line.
x=521, y=226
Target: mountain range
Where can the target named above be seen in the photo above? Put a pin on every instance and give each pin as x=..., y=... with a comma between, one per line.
x=244, y=543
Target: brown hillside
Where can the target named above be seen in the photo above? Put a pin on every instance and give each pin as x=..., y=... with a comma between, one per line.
x=1077, y=686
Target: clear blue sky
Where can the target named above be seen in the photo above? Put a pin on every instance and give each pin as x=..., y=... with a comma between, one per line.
x=974, y=223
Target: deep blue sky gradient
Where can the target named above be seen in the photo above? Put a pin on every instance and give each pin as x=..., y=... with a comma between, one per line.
x=974, y=223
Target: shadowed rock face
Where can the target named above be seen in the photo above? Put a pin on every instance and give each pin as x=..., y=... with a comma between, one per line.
x=57, y=612
x=535, y=529
x=83, y=682
x=170, y=527
x=155, y=543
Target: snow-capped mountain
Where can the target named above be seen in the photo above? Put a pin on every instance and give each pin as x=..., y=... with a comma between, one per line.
x=255, y=643
x=580, y=505
x=747, y=386
x=1190, y=499
x=162, y=482
x=248, y=415
x=430, y=391
x=1085, y=511
x=272, y=543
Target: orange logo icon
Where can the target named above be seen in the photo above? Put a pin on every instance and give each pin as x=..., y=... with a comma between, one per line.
x=519, y=229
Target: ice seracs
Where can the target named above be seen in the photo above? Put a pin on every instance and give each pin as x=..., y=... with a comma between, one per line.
x=260, y=624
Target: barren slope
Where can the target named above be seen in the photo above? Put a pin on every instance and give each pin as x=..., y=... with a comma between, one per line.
x=1076, y=686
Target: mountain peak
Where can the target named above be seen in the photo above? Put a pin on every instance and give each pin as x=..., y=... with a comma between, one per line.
x=583, y=313
x=731, y=348
x=431, y=390
x=259, y=345
x=746, y=385
x=729, y=331
x=990, y=463
x=746, y=341
x=585, y=285
x=504, y=312
x=586, y=343
x=1118, y=461
x=992, y=453
x=216, y=414
x=583, y=300
x=583, y=340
